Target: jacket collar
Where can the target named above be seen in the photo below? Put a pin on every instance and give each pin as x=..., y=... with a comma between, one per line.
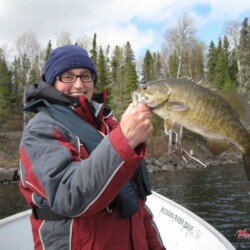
x=94, y=110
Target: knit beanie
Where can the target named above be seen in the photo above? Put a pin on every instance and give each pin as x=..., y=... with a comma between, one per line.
x=65, y=58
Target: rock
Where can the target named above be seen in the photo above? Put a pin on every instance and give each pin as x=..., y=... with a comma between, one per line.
x=175, y=161
x=8, y=175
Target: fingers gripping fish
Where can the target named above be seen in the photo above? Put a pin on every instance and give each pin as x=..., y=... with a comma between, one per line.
x=169, y=126
x=199, y=110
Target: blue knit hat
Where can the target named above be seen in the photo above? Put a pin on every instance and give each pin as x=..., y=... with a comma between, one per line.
x=65, y=58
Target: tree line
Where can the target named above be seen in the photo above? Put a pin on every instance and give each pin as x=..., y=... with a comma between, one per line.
x=226, y=64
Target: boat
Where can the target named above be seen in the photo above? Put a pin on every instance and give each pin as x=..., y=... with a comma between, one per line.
x=180, y=228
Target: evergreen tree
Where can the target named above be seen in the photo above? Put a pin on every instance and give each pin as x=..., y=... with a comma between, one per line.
x=5, y=90
x=108, y=63
x=211, y=63
x=93, y=51
x=102, y=70
x=116, y=65
x=158, y=66
x=148, y=67
x=17, y=79
x=233, y=70
x=173, y=63
x=221, y=68
x=231, y=67
x=131, y=81
x=117, y=80
x=193, y=60
x=226, y=55
x=35, y=75
x=48, y=51
x=244, y=60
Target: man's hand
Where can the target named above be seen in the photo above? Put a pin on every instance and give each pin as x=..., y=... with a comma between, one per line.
x=136, y=124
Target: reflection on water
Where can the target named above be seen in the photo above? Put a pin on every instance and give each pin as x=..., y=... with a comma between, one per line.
x=220, y=195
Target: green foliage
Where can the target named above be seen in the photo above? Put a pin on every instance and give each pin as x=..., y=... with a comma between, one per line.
x=244, y=59
x=123, y=78
x=6, y=95
x=5, y=86
x=47, y=51
x=212, y=60
x=93, y=51
x=102, y=69
x=173, y=65
x=222, y=65
x=117, y=70
x=147, y=67
x=152, y=68
x=193, y=60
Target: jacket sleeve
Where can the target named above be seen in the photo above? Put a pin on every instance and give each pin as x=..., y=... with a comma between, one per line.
x=52, y=169
x=152, y=233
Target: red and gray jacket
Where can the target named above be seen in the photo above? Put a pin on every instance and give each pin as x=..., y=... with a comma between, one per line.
x=58, y=173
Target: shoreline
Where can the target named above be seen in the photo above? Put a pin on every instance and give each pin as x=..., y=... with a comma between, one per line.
x=168, y=162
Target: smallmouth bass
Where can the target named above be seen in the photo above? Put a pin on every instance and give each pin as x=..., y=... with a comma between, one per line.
x=198, y=109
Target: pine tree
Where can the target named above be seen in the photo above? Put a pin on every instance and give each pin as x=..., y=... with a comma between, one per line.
x=233, y=69
x=93, y=51
x=131, y=81
x=116, y=65
x=35, y=72
x=193, y=60
x=158, y=66
x=226, y=58
x=148, y=67
x=211, y=63
x=244, y=60
x=48, y=51
x=117, y=80
x=173, y=63
x=124, y=78
x=5, y=90
x=102, y=70
x=221, y=67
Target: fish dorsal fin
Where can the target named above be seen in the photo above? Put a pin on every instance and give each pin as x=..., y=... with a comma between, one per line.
x=216, y=147
x=238, y=103
x=201, y=82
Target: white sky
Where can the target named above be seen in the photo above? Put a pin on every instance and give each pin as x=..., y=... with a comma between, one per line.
x=141, y=22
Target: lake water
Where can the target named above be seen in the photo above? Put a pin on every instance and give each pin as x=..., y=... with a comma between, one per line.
x=220, y=195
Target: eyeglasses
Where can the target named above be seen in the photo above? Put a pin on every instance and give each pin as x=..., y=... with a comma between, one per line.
x=71, y=78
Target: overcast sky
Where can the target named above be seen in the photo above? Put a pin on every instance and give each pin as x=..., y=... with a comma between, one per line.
x=141, y=22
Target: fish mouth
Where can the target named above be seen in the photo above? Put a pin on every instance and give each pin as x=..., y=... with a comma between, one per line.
x=139, y=98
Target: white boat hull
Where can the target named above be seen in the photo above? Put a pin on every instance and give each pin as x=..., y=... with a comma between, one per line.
x=180, y=229
x=183, y=230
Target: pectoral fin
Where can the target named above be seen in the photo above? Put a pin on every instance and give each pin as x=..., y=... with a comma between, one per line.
x=176, y=106
x=216, y=147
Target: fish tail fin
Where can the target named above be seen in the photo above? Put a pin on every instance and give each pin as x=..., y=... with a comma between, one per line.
x=246, y=160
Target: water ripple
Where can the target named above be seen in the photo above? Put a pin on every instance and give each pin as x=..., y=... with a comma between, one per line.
x=220, y=195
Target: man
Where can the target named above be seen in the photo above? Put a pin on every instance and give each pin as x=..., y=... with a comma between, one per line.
x=81, y=171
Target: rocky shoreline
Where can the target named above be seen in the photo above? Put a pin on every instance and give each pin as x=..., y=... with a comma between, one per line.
x=175, y=162
x=171, y=162
x=8, y=175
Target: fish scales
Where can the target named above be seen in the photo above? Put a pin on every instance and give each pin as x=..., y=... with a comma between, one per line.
x=203, y=109
x=197, y=109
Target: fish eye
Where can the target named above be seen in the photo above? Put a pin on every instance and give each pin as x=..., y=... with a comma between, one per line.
x=144, y=87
